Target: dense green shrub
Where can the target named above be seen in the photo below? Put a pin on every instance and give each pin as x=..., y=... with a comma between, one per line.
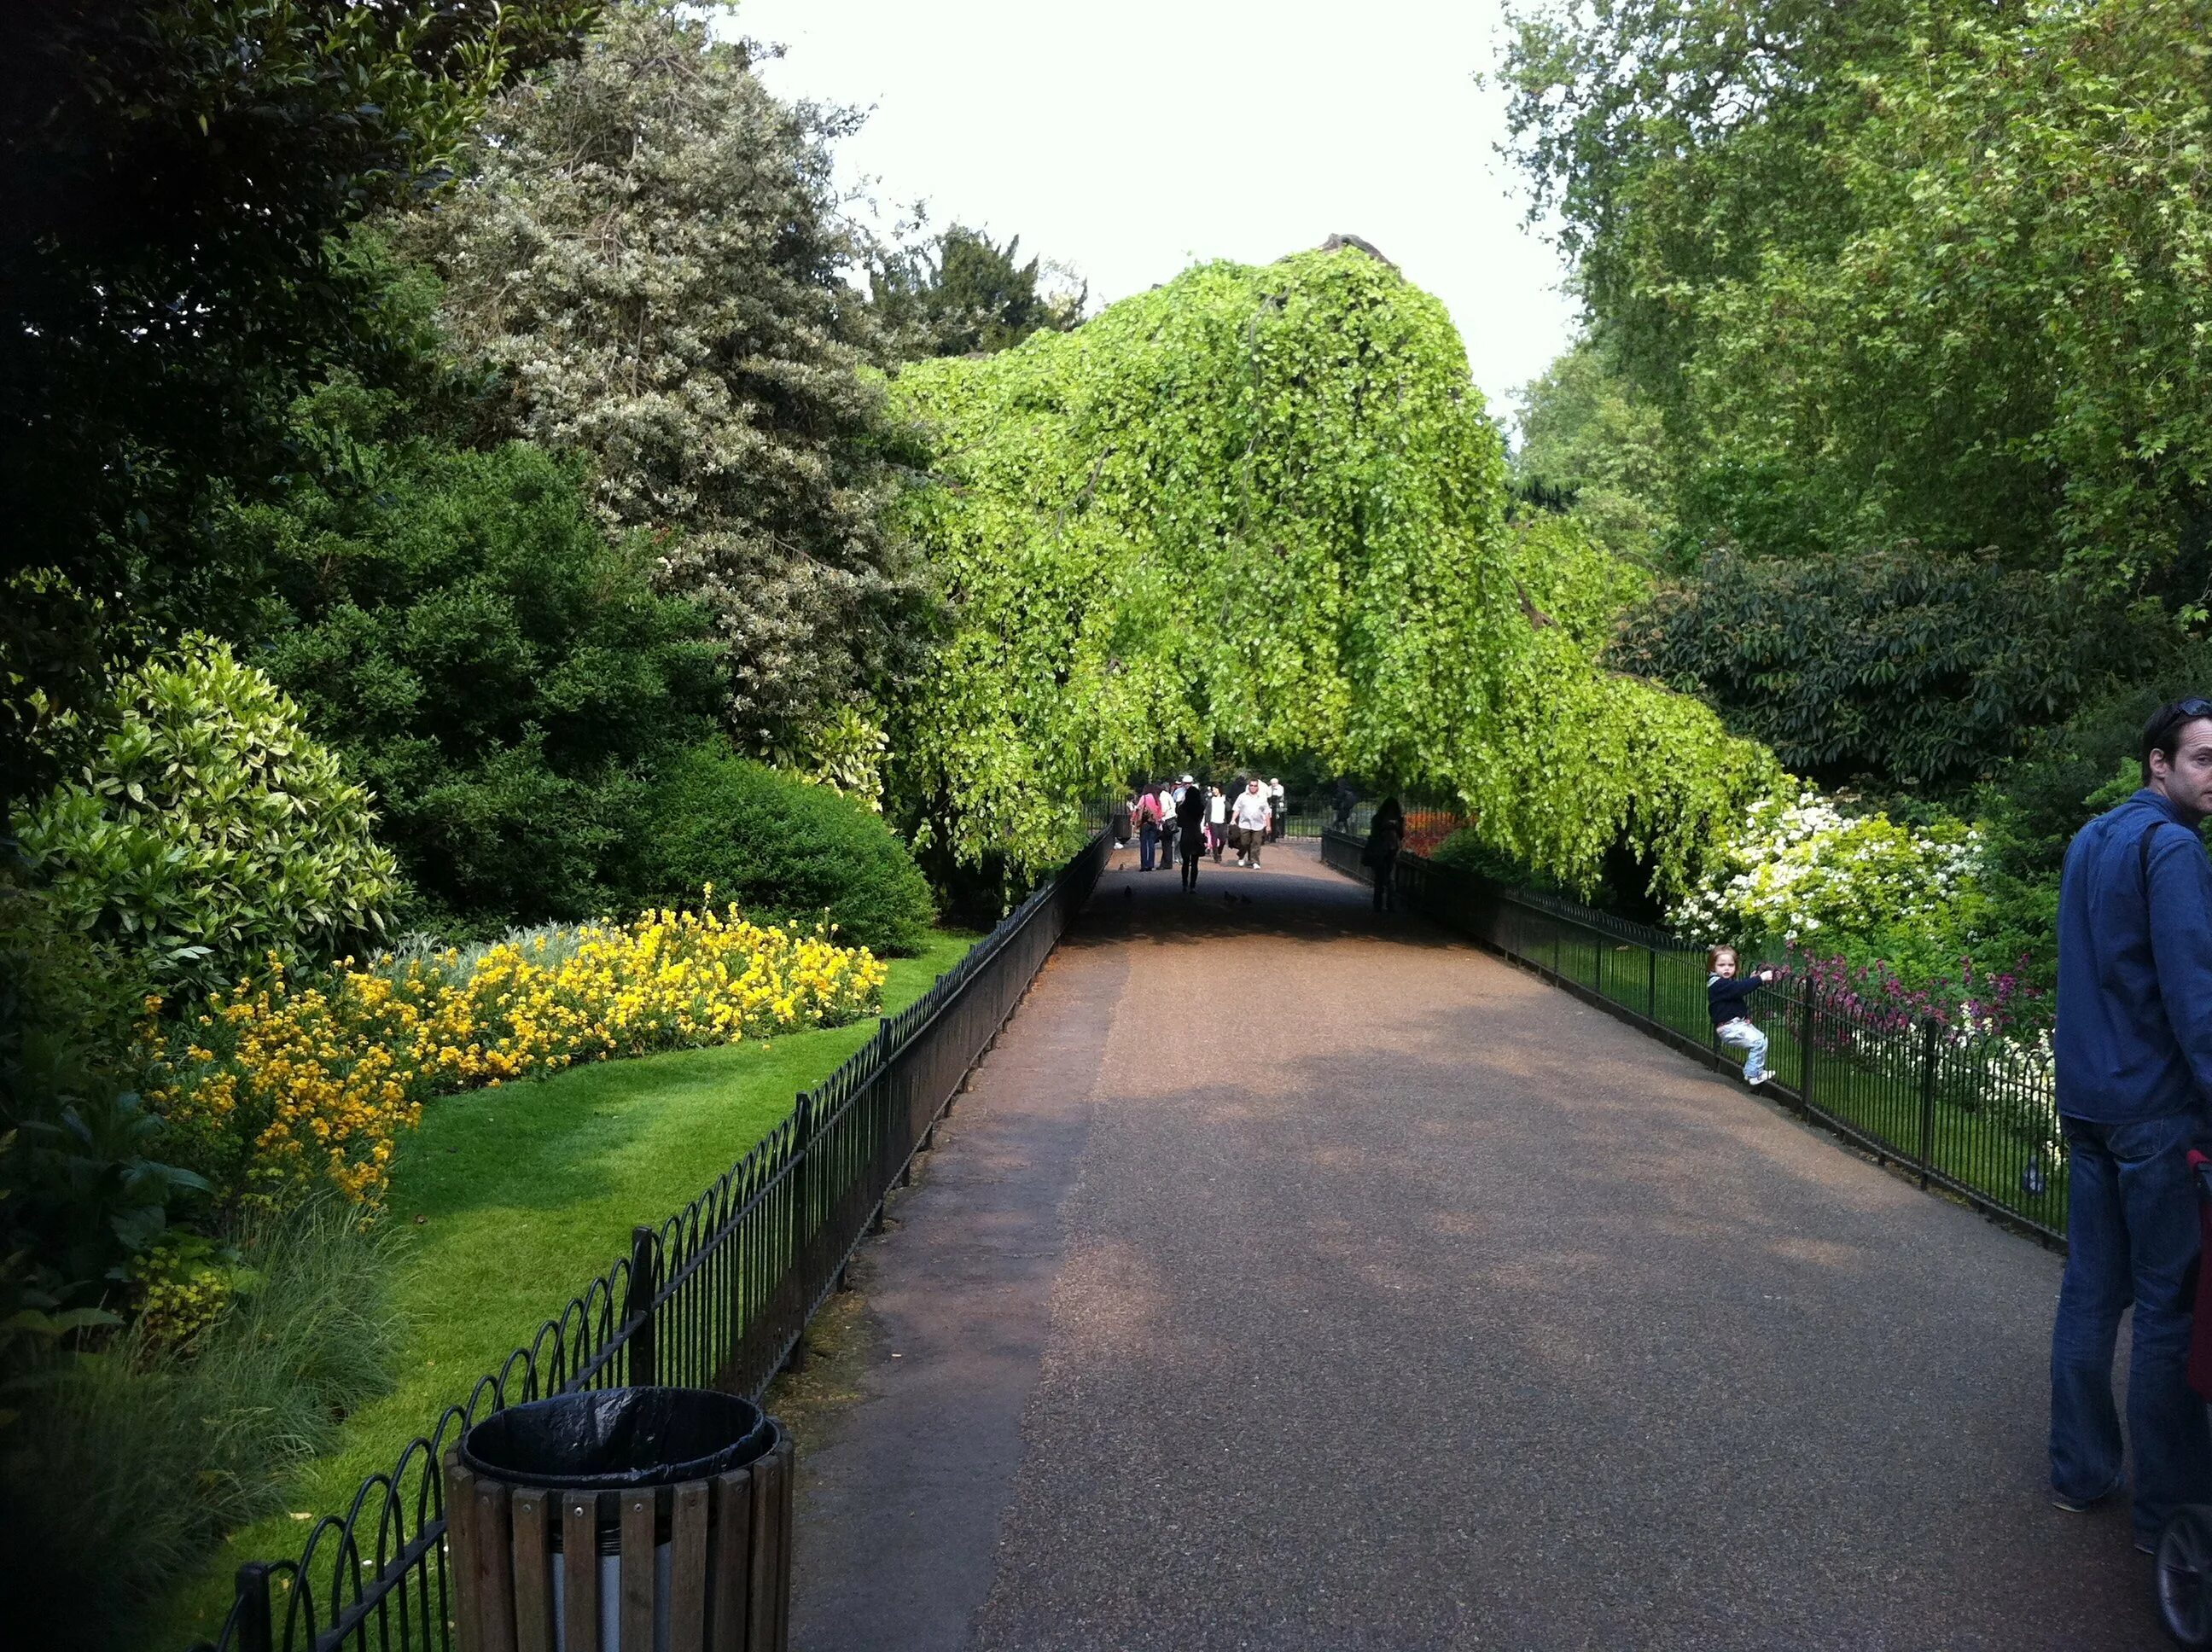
x=1900, y=667
x=206, y=827
x=128, y=1466
x=780, y=848
x=460, y=629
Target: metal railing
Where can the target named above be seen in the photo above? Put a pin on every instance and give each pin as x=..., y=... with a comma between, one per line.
x=1965, y=1112
x=717, y=1295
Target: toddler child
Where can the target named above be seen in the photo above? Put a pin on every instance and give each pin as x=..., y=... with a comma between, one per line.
x=1725, y=996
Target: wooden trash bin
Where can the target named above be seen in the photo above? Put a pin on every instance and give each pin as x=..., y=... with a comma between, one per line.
x=692, y=1555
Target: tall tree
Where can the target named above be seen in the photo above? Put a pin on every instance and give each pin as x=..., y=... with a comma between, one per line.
x=1919, y=269
x=172, y=176
x=649, y=247
x=962, y=293
x=1587, y=432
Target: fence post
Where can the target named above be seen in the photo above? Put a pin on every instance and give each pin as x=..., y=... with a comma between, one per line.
x=250, y=1614
x=1651, y=985
x=1927, y=1096
x=1805, y=1047
x=644, y=1286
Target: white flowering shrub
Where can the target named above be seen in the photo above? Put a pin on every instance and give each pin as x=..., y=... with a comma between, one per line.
x=1805, y=874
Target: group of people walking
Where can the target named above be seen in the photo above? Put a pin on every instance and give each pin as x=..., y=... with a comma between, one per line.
x=1183, y=822
x=1186, y=820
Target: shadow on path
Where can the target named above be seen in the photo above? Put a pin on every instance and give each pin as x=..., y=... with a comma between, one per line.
x=1295, y=1277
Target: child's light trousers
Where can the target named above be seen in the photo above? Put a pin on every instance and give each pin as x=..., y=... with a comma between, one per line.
x=1740, y=1034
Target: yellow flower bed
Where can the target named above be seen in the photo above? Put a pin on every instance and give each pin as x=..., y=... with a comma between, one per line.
x=278, y=1083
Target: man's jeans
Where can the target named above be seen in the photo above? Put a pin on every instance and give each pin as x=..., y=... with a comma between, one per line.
x=1742, y=1035
x=2131, y=1233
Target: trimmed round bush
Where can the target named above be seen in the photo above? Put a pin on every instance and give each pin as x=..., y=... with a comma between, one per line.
x=781, y=849
x=205, y=827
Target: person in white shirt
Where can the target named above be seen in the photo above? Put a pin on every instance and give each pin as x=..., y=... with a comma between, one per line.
x=1167, y=801
x=1251, y=814
x=1217, y=820
x=1278, y=807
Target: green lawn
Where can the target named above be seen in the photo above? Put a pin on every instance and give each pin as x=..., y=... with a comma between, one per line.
x=508, y=1200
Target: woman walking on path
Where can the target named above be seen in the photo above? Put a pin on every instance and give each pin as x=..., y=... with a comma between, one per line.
x=1190, y=832
x=1217, y=819
x=1386, y=836
x=1148, y=827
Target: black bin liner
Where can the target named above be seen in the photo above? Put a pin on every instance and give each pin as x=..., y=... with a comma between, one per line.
x=614, y=1439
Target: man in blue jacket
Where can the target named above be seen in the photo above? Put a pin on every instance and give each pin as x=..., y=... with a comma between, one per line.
x=2134, y=1049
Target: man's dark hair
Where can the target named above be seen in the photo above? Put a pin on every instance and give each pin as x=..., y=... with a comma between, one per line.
x=2162, y=734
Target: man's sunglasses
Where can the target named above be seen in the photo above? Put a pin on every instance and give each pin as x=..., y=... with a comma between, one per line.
x=2183, y=711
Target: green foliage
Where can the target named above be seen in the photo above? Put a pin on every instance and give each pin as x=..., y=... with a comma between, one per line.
x=648, y=249
x=1261, y=510
x=84, y=1185
x=458, y=627
x=1904, y=667
x=1567, y=576
x=176, y=176
x=780, y=848
x=128, y=1466
x=1911, y=269
x=206, y=827
x=1586, y=432
x=960, y=293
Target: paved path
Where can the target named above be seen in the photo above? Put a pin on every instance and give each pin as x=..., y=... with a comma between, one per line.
x=1294, y=1279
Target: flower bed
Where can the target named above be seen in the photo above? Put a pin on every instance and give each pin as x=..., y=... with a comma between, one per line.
x=283, y=1082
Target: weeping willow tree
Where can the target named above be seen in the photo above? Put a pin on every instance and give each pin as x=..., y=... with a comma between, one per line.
x=1262, y=509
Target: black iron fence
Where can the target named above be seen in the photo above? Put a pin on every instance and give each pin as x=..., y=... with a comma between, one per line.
x=717, y=1296
x=1966, y=1111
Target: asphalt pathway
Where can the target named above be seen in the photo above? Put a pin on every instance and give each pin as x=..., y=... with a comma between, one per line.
x=1293, y=1278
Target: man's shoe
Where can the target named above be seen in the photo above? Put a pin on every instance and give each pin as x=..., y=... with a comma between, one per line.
x=1755, y=1082
x=2146, y=1544
x=2074, y=1505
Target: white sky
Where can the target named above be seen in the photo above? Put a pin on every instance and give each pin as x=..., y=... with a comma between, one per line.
x=1132, y=140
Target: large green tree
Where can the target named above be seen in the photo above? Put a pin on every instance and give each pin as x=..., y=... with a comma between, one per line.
x=649, y=248
x=1585, y=433
x=1262, y=509
x=172, y=176
x=1920, y=268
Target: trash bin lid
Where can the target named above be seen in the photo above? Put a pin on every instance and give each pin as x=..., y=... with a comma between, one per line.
x=612, y=1439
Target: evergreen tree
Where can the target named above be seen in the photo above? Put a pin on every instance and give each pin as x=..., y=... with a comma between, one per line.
x=961, y=293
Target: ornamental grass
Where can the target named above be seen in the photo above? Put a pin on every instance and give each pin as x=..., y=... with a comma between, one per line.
x=285, y=1082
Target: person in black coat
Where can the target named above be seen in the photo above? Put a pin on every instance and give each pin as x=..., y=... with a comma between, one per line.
x=1190, y=832
x=1386, y=836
